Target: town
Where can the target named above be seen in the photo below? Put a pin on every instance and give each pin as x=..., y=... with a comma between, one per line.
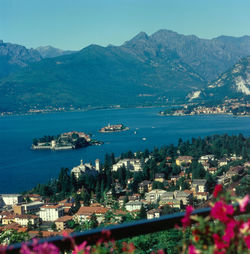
x=230, y=106
x=132, y=186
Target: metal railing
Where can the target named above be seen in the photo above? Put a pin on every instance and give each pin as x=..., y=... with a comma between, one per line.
x=121, y=231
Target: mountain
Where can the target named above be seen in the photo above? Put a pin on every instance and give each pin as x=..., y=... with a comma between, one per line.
x=208, y=58
x=98, y=76
x=13, y=56
x=234, y=83
x=146, y=70
x=48, y=51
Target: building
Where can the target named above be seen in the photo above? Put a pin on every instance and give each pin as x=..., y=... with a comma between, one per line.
x=159, y=177
x=154, y=195
x=185, y=197
x=144, y=186
x=27, y=219
x=85, y=212
x=51, y=212
x=202, y=195
x=153, y=213
x=222, y=162
x=212, y=170
x=183, y=160
x=133, y=205
x=10, y=199
x=61, y=223
x=32, y=207
x=130, y=164
x=82, y=168
x=206, y=158
x=199, y=185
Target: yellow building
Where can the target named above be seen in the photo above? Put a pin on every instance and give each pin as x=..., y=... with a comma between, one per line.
x=183, y=160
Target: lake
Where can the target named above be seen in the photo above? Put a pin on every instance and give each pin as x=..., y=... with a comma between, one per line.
x=21, y=168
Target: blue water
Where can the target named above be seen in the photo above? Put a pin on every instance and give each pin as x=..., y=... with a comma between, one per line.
x=21, y=168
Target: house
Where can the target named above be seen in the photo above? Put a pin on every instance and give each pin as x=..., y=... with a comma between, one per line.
x=159, y=177
x=206, y=165
x=184, y=160
x=235, y=157
x=199, y=185
x=121, y=200
x=27, y=219
x=144, y=186
x=82, y=168
x=174, y=203
x=133, y=205
x=174, y=179
x=34, y=197
x=32, y=207
x=168, y=159
x=153, y=213
x=202, y=195
x=130, y=164
x=206, y=158
x=61, y=223
x=154, y=195
x=51, y=212
x=212, y=170
x=185, y=197
x=247, y=164
x=85, y=212
x=222, y=162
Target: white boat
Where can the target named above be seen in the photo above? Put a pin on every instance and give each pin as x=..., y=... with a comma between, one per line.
x=144, y=139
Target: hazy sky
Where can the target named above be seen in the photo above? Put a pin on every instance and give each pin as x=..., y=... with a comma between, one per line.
x=74, y=24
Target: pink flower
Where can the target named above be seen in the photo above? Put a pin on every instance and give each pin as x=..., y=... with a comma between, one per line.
x=192, y=250
x=25, y=249
x=221, y=211
x=186, y=219
x=160, y=252
x=243, y=203
x=219, y=243
x=83, y=248
x=229, y=233
x=46, y=248
x=245, y=226
x=218, y=188
x=247, y=241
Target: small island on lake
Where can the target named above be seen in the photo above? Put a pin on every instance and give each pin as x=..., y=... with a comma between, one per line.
x=65, y=141
x=113, y=128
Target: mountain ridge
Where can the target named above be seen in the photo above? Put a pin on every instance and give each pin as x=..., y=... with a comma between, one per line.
x=147, y=70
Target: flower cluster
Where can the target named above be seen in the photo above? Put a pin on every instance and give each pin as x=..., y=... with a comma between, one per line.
x=220, y=232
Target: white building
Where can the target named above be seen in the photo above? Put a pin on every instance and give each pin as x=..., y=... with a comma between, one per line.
x=10, y=199
x=25, y=220
x=130, y=164
x=133, y=205
x=51, y=212
x=82, y=168
x=199, y=185
x=154, y=195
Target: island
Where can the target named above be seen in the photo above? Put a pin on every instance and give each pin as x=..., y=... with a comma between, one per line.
x=65, y=141
x=113, y=128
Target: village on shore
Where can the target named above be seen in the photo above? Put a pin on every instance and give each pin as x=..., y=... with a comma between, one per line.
x=234, y=107
x=39, y=217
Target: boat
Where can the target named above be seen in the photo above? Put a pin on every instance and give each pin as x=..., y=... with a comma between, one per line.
x=144, y=139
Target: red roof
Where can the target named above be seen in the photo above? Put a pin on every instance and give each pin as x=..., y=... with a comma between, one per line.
x=87, y=210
